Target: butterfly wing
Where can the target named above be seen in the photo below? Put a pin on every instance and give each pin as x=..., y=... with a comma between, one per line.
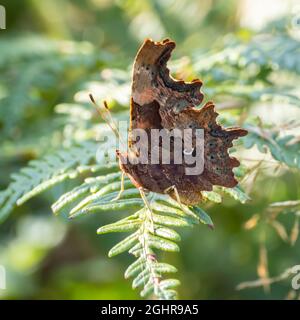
x=159, y=101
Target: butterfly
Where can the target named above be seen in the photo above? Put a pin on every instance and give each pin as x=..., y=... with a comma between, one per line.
x=158, y=101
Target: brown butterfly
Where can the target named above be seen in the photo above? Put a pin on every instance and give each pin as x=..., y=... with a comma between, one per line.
x=160, y=102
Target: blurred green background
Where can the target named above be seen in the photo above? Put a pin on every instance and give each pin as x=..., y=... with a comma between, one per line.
x=52, y=52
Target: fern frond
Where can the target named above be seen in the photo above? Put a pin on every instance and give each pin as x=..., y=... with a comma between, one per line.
x=284, y=149
x=43, y=174
x=150, y=228
x=236, y=193
x=90, y=186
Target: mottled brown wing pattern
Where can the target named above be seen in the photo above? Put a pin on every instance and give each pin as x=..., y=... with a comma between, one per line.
x=159, y=101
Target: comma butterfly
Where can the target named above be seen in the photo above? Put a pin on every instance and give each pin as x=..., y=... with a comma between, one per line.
x=160, y=102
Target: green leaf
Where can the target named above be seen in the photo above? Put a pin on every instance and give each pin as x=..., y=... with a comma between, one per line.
x=161, y=267
x=169, y=284
x=88, y=185
x=160, y=208
x=107, y=206
x=141, y=279
x=162, y=244
x=148, y=290
x=135, y=268
x=172, y=222
x=204, y=217
x=285, y=204
x=98, y=198
x=237, y=193
x=124, y=226
x=124, y=245
x=284, y=149
x=167, y=233
x=169, y=294
x=45, y=173
x=212, y=196
x=137, y=250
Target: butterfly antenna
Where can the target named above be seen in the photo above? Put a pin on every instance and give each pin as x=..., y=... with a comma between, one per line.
x=105, y=114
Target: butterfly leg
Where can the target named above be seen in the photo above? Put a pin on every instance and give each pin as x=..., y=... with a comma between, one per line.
x=147, y=204
x=121, y=189
x=174, y=189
